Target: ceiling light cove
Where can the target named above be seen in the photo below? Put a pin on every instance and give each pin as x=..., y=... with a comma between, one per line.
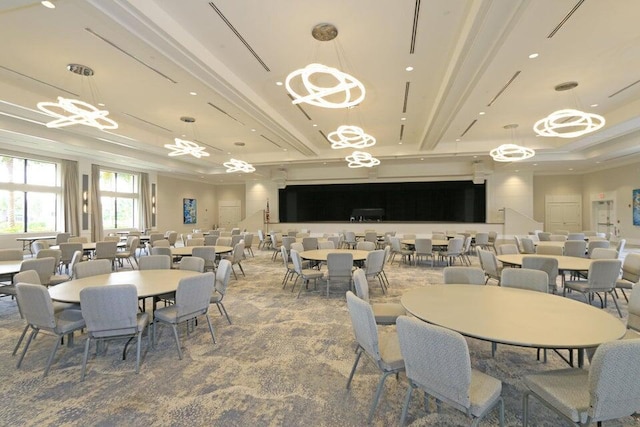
x=350, y=137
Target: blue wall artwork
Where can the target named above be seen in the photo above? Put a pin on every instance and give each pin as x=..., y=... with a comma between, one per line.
x=190, y=212
x=636, y=206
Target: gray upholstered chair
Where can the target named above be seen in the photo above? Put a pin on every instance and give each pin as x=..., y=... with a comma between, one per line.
x=155, y=262
x=489, y=264
x=289, y=269
x=339, y=268
x=558, y=237
x=208, y=254
x=527, y=246
x=620, y=246
x=326, y=245
x=630, y=273
x=384, y=350
x=236, y=258
x=192, y=300
x=45, y=268
x=423, y=248
x=525, y=278
x=482, y=240
x=453, y=251
x=62, y=238
x=544, y=236
x=248, y=242
x=92, y=268
x=210, y=240
x=397, y=249
x=596, y=244
x=310, y=243
x=192, y=263
x=130, y=251
x=602, y=277
x=306, y=274
x=223, y=275
x=575, y=236
x=547, y=264
x=463, y=275
x=68, y=249
x=37, y=309
x=374, y=267
x=575, y=248
x=603, y=253
x=106, y=250
x=385, y=313
x=608, y=390
x=111, y=312
x=195, y=241
x=549, y=250
x=437, y=361
x=364, y=245
x=508, y=248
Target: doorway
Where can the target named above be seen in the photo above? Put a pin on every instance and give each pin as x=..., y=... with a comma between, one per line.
x=563, y=213
x=229, y=213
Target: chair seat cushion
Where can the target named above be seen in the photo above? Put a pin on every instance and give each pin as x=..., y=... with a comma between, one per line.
x=387, y=313
x=56, y=279
x=167, y=314
x=312, y=274
x=567, y=390
x=69, y=320
x=390, y=351
x=484, y=390
x=624, y=284
x=583, y=286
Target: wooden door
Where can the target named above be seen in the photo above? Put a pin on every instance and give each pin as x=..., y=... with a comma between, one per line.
x=563, y=213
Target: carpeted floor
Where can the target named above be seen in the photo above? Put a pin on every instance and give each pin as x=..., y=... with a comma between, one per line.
x=283, y=362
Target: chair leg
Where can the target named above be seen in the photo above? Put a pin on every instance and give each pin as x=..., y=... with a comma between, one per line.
x=234, y=272
x=525, y=408
x=138, y=352
x=50, y=359
x=177, y=339
x=84, y=359
x=241, y=269
x=26, y=346
x=377, y=395
x=615, y=301
x=210, y=327
x=24, y=332
x=220, y=305
x=405, y=407
x=359, y=352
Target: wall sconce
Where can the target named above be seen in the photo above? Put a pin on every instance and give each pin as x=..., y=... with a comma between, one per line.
x=85, y=202
x=153, y=204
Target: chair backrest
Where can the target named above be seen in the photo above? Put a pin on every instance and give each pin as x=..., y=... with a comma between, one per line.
x=36, y=306
x=161, y=243
x=197, y=241
x=596, y=244
x=436, y=359
x=363, y=322
x=77, y=239
x=310, y=243
x=296, y=260
x=371, y=236
x=110, y=310
x=207, y=253
x=11, y=255
x=235, y=239
x=161, y=250
x=210, y=240
x=106, y=250
x=603, y=253
x=111, y=239
x=454, y=246
x=56, y=254
x=489, y=262
x=575, y=236
x=375, y=262
x=297, y=246
x=482, y=239
x=508, y=248
x=561, y=232
x=223, y=275
x=38, y=245
x=546, y=264
x=154, y=262
x=633, y=321
x=549, y=250
x=613, y=385
x=248, y=240
x=439, y=236
x=544, y=236
x=631, y=268
x=339, y=264
x=527, y=246
x=68, y=249
x=620, y=245
x=31, y=276
x=350, y=236
x=92, y=268
x=44, y=267
x=493, y=236
x=132, y=244
x=360, y=284
x=75, y=259
x=525, y=278
x=364, y=245
x=603, y=273
x=224, y=241
x=287, y=241
x=62, y=238
x=423, y=246
x=193, y=295
x=192, y=263
x=172, y=237
x=155, y=236
x=463, y=275
x=326, y=245
x=238, y=252
x=575, y=248
x=558, y=238
x=235, y=231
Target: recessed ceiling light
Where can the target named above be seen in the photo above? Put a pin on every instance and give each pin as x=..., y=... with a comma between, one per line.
x=535, y=164
x=570, y=169
x=48, y=4
x=457, y=139
x=475, y=157
x=533, y=56
x=421, y=158
x=278, y=83
x=193, y=93
x=315, y=125
x=482, y=113
x=403, y=119
x=253, y=130
x=517, y=170
x=101, y=104
x=409, y=68
x=284, y=149
x=400, y=142
x=594, y=105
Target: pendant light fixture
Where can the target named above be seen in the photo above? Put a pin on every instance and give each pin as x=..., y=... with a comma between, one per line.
x=511, y=152
x=183, y=146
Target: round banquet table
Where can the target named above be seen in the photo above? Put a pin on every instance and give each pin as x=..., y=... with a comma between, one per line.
x=321, y=254
x=187, y=250
x=91, y=246
x=436, y=242
x=149, y=283
x=9, y=267
x=565, y=263
x=514, y=316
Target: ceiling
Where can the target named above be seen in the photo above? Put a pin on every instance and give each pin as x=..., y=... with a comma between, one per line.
x=471, y=76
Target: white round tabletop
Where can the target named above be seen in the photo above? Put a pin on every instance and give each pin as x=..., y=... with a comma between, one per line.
x=9, y=267
x=434, y=242
x=91, y=246
x=188, y=250
x=565, y=263
x=148, y=283
x=513, y=316
x=321, y=254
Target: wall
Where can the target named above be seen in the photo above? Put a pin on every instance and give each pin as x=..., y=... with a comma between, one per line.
x=170, y=193
x=557, y=185
x=509, y=190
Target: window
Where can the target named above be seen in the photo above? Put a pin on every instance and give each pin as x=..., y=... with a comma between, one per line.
x=120, y=199
x=29, y=195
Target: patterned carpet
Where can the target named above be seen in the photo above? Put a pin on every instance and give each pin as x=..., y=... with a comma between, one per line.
x=283, y=362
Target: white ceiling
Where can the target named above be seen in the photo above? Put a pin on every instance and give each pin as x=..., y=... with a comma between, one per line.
x=470, y=56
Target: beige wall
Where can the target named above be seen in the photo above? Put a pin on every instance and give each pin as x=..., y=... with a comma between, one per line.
x=555, y=185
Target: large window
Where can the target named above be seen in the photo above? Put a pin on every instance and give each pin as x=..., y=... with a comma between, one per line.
x=119, y=197
x=29, y=195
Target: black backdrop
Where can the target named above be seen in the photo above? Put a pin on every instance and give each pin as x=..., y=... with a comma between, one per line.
x=450, y=201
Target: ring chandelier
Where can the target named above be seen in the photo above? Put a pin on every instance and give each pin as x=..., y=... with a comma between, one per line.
x=568, y=123
x=511, y=153
x=359, y=159
x=75, y=112
x=234, y=165
x=350, y=137
x=320, y=92
x=182, y=147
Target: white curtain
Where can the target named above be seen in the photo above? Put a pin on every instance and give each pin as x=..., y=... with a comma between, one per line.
x=97, y=230
x=71, y=196
x=145, y=201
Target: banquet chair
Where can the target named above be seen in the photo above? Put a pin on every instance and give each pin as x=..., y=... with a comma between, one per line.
x=162, y=243
x=306, y=274
x=67, y=251
x=223, y=275
x=310, y=243
x=437, y=361
x=602, y=277
x=397, y=249
x=172, y=237
x=192, y=263
x=525, y=278
x=558, y=238
x=39, y=245
x=210, y=240
x=339, y=268
x=493, y=238
x=603, y=253
x=630, y=273
x=463, y=275
x=208, y=254
x=482, y=241
x=489, y=264
x=111, y=312
x=45, y=268
x=248, y=241
x=620, y=246
x=77, y=239
x=364, y=245
x=195, y=241
x=262, y=241
x=192, y=300
x=547, y=264
x=111, y=238
x=62, y=238
x=423, y=249
x=596, y=244
x=466, y=249
x=129, y=251
x=223, y=241
x=438, y=235
x=106, y=250
x=235, y=239
x=349, y=240
x=37, y=308
x=384, y=349
x=575, y=248
x=608, y=390
x=155, y=262
x=54, y=278
x=289, y=269
x=162, y=250
x=544, y=236
x=336, y=241
x=374, y=265
x=508, y=248
x=236, y=257
x=454, y=250
x=527, y=246
x=549, y=250
x=10, y=255
x=385, y=313
x=75, y=259
x=326, y=245
x=92, y=268
x=575, y=236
